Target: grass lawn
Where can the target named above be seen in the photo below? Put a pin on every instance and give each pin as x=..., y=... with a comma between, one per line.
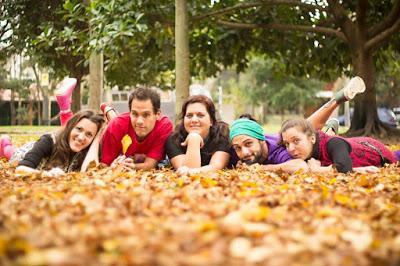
x=24, y=134
x=26, y=129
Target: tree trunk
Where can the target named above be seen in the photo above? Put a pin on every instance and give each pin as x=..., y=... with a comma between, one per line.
x=95, y=80
x=30, y=111
x=37, y=97
x=365, y=121
x=12, y=109
x=76, y=96
x=182, y=71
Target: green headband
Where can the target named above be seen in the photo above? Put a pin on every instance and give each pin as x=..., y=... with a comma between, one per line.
x=244, y=126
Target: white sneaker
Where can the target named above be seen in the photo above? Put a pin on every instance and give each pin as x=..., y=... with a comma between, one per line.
x=356, y=85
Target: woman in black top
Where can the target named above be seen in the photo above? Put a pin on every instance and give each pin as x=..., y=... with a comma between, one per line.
x=63, y=151
x=200, y=143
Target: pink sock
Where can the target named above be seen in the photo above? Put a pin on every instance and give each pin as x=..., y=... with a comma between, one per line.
x=7, y=147
x=8, y=151
x=64, y=102
x=65, y=116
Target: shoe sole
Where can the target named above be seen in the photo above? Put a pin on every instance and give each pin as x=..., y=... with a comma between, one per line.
x=67, y=84
x=356, y=85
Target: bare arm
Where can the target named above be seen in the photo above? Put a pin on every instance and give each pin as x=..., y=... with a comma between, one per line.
x=23, y=170
x=192, y=157
x=219, y=160
x=288, y=167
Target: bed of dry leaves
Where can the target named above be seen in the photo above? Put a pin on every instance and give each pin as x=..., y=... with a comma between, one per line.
x=235, y=217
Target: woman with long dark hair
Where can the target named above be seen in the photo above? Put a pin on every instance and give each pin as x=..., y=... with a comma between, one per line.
x=199, y=143
x=60, y=152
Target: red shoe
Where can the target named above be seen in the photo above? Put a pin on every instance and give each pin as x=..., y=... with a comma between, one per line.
x=103, y=107
x=64, y=92
x=106, y=108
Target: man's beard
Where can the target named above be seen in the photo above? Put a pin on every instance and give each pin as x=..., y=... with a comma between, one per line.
x=258, y=158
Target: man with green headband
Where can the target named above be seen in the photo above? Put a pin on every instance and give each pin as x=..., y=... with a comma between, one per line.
x=250, y=145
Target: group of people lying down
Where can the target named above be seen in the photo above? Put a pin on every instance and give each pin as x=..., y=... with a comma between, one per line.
x=142, y=137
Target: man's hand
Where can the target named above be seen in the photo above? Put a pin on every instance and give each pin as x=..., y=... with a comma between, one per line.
x=193, y=138
x=126, y=162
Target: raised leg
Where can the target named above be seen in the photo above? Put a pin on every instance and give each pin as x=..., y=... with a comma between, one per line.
x=63, y=95
x=318, y=118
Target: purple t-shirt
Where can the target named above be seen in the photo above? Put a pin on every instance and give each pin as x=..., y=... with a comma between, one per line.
x=277, y=154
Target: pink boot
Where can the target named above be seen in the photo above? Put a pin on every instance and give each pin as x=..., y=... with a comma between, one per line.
x=6, y=147
x=64, y=92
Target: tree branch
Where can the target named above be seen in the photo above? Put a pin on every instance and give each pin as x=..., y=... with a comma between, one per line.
x=361, y=12
x=341, y=18
x=383, y=37
x=285, y=27
x=393, y=16
x=257, y=4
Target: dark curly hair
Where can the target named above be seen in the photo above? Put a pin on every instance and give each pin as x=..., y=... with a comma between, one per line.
x=62, y=153
x=219, y=131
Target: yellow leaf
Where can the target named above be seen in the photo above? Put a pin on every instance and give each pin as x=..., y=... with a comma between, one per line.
x=332, y=181
x=126, y=142
x=325, y=191
x=258, y=213
x=208, y=182
x=206, y=226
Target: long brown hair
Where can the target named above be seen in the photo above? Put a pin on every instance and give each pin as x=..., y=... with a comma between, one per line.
x=62, y=153
x=301, y=124
x=219, y=131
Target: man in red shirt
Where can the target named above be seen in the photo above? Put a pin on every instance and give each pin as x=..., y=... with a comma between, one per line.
x=136, y=139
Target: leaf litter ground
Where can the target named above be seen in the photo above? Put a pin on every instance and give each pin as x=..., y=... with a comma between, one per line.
x=233, y=217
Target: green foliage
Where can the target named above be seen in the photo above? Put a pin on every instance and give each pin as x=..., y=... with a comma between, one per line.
x=263, y=85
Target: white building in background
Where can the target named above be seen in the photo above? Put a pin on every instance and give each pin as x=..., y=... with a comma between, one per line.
x=119, y=100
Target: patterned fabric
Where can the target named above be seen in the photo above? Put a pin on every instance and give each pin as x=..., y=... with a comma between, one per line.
x=365, y=151
x=19, y=153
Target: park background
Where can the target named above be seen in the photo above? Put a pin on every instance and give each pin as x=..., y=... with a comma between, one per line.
x=271, y=58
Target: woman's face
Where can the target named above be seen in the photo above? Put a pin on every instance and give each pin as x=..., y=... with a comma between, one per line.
x=298, y=144
x=82, y=134
x=197, y=119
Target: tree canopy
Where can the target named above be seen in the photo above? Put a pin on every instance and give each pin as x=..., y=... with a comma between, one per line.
x=320, y=39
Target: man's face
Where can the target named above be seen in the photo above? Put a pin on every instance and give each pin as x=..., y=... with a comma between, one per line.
x=250, y=150
x=143, y=118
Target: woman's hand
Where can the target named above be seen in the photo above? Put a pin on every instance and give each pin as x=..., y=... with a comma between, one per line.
x=184, y=170
x=314, y=165
x=54, y=172
x=193, y=138
x=367, y=169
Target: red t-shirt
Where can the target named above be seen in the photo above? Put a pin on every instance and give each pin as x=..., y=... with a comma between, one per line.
x=152, y=146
